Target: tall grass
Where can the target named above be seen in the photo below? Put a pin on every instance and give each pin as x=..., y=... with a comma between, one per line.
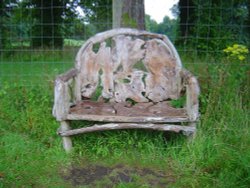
x=30, y=151
x=219, y=156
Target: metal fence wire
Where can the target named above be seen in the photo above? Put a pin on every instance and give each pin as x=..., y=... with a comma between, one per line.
x=39, y=39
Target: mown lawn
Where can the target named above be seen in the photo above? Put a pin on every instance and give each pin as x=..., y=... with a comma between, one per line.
x=31, y=154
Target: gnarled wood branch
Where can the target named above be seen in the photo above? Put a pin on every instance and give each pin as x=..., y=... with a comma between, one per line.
x=192, y=92
x=61, y=100
x=89, y=72
x=162, y=80
x=127, y=52
x=132, y=90
x=116, y=126
x=115, y=118
x=70, y=74
x=62, y=95
x=105, y=60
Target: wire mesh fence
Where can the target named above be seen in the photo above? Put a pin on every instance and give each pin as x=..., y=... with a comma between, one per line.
x=39, y=39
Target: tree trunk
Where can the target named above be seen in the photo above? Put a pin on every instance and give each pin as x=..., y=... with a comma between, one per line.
x=129, y=13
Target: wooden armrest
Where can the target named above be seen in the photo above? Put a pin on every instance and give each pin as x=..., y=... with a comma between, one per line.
x=192, y=93
x=62, y=95
x=68, y=75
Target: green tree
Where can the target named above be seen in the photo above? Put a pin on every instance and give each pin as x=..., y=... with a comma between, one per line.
x=12, y=29
x=22, y=19
x=151, y=24
x=209, y=25
x=248, y=23
x=168, y=27
x=66, y=22
x=219, y=23
x=98, y=13
x=5, y=16
x=47, y=30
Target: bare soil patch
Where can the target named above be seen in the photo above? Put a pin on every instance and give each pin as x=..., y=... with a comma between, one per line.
x=103, y=176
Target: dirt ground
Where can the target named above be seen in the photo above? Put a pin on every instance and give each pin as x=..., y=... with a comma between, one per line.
x=107, y=177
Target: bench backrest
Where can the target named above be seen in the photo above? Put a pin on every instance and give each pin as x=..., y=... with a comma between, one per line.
x=128, y=64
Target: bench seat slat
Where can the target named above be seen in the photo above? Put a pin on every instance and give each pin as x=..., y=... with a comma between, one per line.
x=125, y=112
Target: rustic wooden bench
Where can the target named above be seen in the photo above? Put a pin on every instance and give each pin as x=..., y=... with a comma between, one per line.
x=126, y=79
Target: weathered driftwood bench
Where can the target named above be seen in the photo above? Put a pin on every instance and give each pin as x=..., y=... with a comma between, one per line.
x=132, y=75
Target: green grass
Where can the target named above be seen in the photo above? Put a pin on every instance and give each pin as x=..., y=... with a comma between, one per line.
x=32, y=73
x=31, y=154
x=39, y=66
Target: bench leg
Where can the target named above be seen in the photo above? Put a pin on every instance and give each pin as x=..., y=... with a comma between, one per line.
x=191, y=134
x=67, y=143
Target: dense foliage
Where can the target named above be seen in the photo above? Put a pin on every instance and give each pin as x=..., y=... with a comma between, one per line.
x=209, y=26
x=167, y=27
x=205, y=26
x=46, y=23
